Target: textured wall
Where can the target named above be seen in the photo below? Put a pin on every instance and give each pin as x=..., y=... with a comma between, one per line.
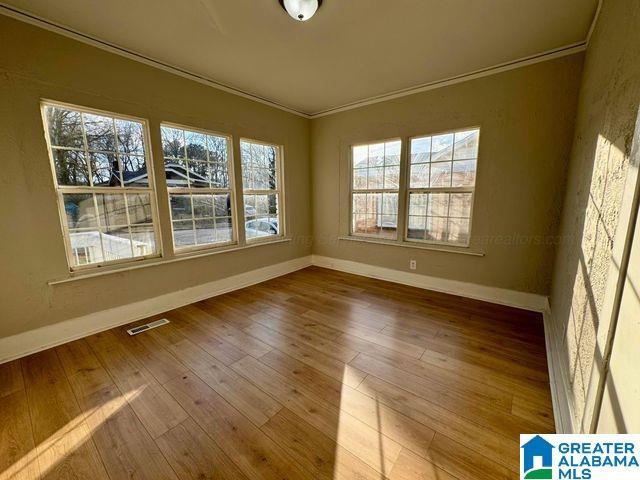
x=526, y=117
x=608, y=106
x=36, y=64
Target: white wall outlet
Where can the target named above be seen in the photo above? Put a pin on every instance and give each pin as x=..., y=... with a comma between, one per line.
x=412, y=264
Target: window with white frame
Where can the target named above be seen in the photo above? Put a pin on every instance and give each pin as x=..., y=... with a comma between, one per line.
x=104, y=183
x=261, y=181
x=374, y=189
x=199, y=178
x=441, y=187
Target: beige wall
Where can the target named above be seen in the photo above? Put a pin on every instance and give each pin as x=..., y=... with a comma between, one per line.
x=37, y=64
x=526, y=118
x=585, y=268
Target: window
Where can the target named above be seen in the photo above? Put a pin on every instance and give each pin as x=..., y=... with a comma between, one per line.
x=441, y=186
x=374, y=193
x=261, y=167
x=200, y=185
x=104, y=184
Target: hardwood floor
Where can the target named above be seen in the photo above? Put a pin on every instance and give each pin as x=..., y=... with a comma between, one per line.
x=314, y=375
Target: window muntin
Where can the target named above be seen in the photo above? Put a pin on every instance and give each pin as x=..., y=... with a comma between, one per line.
x=441, y=187
x=261, y=171
x=104, y=184
x=374, y=189
x=197, y=169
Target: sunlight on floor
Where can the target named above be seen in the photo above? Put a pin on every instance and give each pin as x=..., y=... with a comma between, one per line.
x=64, y=442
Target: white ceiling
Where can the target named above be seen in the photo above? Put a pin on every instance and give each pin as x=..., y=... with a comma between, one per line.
x=351, y=50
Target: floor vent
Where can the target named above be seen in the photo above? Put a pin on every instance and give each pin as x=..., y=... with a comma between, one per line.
x=147, y=326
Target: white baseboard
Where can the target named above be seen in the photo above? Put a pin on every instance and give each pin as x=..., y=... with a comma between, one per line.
x=42, y=338
x=562, y=412
x=39, y=339
x=501, y=296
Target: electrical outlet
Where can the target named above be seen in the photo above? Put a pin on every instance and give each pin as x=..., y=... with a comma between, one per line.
x=412, y=264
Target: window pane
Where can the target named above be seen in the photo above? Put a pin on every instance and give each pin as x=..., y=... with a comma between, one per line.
x=442, y=147
x=219, y=175
x=416, y=227
x=183, y=233
x=359, y=203
x=199, y=174
x=80, y=210
x=86, y=247
x=436, y=229
x=100, y=131
x=376, y=155
x=116, y=243
x=466, y=145
x=105, y=170
x=71, y=167
x=392, y=153
x=464, y=173
x=460, y=205
x=391, y=177
x=134, y=171
x=224, y=230
x=222, y=205
x=458, y=230
x=390, y=203
x=202, y=206
x=144, y=240
x=65, y=127
x=440, y=174
x=205, y=231
x=217, y=149
x=258, y=166
x=130, y=137
x=173, y=142
x=421, y=150
x=112, y=210
x=418, y=204
x=196, y=144
x=360, y=156
x=438, y=204
x=419, y=176
x=139, y=205
x=261, y=227
x=360, y=179
x=180, y=207
x=375, y=177
x=261, y=179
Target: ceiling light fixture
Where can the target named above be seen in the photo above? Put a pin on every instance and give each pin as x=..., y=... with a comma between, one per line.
x=301, y=10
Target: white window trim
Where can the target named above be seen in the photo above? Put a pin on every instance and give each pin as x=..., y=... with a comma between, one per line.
x=279, y=192
x=409, y=191
x=190, y=249
x=376, y=190
x=62, y=189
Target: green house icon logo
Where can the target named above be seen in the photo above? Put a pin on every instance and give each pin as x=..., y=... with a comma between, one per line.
x=537, y=459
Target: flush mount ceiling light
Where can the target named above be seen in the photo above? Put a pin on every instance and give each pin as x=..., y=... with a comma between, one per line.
x=301, y=10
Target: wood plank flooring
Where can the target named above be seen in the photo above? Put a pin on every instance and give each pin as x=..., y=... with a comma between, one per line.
x=313, y=375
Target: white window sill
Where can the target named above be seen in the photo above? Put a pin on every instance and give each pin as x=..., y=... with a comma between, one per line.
x=419, y=246
x=179, y=257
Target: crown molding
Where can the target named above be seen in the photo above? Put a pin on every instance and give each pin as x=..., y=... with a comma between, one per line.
x=32, y=19
x=465, y=77
x=592, y=27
